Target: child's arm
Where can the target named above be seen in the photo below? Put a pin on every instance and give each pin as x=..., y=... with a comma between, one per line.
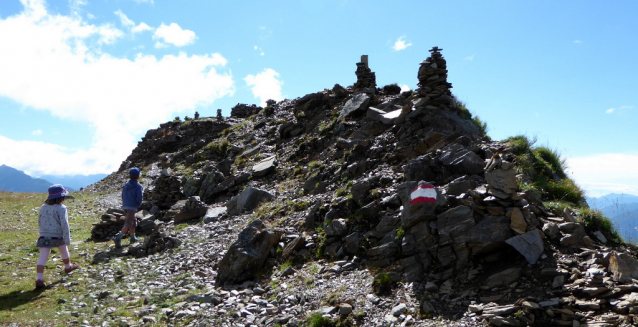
x=64, y=223
x=139, y=195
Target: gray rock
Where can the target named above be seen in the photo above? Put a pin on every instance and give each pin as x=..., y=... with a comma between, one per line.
x=337, y=227
x=462, y=161
x=414, y=213
x=530, y=245
x=354, y=105
x=551, y=230
x=489, y=234
x=503, y=278
x=214, y=214
x=454, y=224
x=247, y=200
x=265, y=167
x=623, y=267
x=504, y=180
x=248, y=254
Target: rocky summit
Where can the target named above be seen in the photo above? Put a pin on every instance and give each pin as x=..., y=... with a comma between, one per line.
x=354, y=206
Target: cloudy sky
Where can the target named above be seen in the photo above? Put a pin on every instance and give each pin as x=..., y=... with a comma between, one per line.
x=81, y=81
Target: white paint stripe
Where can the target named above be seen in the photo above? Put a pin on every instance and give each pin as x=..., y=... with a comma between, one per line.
x=423, y=192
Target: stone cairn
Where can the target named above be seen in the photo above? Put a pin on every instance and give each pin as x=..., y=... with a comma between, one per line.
x=433, y=84
x=154, y=243
x=244, y=111
x=166, y=191
x=219, y=115
x=366, y=79
x=112, y=222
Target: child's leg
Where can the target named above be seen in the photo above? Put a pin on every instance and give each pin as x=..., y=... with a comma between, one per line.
x=64, y=254
x=42, y=260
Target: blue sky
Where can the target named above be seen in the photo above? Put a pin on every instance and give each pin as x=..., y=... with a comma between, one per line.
x=82, y=81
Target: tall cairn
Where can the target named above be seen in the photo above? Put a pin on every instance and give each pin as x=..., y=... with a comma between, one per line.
x=366, y=79
x=433, y=84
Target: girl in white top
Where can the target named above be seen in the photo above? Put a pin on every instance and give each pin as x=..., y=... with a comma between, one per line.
x=53, y=223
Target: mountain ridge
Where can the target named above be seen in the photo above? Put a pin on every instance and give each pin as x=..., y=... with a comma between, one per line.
x=400, y=194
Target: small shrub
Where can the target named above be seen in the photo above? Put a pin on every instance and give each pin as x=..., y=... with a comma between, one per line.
x=382, y=284
x=400, y=233
x=316, y=319
x=595, y=220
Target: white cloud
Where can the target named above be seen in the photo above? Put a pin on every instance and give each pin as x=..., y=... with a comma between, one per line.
x=174, y=35
x=401, y=44
x=606, y=173
x=36, y=132
x=128, y=23
x=405, y=88
x=470, y=58
x=610, y=110
x=578, y=41
x=260, y=50
x=265, y=85
x=141, y=27
x=119, y=98
x=144, y=1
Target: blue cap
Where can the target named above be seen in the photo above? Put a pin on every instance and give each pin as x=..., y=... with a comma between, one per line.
x=134, y=171
x=57, y=191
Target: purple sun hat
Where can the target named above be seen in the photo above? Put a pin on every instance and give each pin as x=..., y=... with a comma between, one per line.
x=57, y=191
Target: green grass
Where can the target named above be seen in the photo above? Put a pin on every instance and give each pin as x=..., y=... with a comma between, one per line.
x=546, y=169
x=316, y=319
x=19, y=302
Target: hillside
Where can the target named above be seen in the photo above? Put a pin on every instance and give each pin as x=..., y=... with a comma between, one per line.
x=361, y=206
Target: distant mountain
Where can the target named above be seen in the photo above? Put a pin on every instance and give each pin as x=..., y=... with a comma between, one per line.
x=75, y=182
x=13, y=180
x=622, y=209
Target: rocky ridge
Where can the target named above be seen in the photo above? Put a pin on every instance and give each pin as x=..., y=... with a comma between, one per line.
x=369, y=206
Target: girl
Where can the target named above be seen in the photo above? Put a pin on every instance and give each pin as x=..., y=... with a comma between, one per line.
x=53, y=223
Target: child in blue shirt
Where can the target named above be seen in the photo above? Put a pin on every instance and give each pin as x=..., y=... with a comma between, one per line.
x=131, y=201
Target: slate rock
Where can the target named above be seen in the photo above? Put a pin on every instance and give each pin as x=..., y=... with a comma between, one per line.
x=530, y=245
x=247, y=200
x=358, y=103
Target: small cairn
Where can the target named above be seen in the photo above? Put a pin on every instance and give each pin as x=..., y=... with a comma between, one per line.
x=154, y=243
x=112, y=222
x=366, y=79
x=433, y=84
x=166, y=191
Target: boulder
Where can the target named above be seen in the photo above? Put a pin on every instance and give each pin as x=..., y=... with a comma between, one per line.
x=214, y=214
x=454, y=224
x=354, y=105
x=247, y=200
x=623, y=267
x=489, y=234
x=420, y=200
x=247, y=255
x=265, y=167
x=504, y=180
x=530, y=245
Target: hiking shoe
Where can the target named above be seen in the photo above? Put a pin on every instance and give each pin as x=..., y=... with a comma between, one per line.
x=40, y=284
x=73, y=266
x=133, y=239
x=118, y=240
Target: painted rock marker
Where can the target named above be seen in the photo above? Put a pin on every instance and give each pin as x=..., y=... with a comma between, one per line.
x=423, y=194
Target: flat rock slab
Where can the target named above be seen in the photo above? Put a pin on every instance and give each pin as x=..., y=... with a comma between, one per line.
x=265, y=166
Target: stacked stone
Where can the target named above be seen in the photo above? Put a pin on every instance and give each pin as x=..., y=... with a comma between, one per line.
x=112, y=222
x=155, y=243
x=433, y=82
x=244, y=111
x=166, y=191
x=366, y=79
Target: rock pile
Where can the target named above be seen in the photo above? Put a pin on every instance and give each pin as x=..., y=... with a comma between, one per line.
x=244, y=111
x=113, y=220
x=165, y=192
x=366, y=79
x=433, y=84
x=154, y=243
x=399, y=185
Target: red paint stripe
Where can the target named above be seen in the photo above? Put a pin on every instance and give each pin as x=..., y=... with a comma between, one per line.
x=423, y=199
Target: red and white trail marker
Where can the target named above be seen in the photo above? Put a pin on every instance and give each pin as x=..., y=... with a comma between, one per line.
x=423, y=194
